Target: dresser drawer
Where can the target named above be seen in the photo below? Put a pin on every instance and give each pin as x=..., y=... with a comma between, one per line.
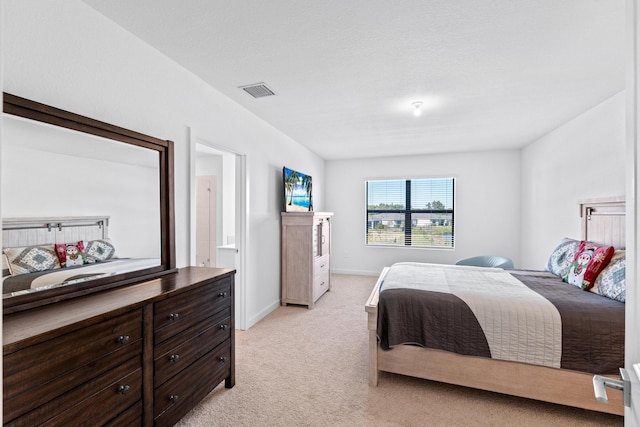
x=96, y=402
x=321, y=267
x=180, y=351
x=320, y=276
x=37, y=374
x=132, y=417
x=181, y=312
x=174, y=398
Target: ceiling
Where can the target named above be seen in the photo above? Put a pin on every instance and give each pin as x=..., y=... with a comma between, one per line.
x=492, y=74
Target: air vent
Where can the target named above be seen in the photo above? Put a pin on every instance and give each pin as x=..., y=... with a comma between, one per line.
x=258, y=90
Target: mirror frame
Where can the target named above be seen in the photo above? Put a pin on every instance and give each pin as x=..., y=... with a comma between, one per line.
x=39, y=112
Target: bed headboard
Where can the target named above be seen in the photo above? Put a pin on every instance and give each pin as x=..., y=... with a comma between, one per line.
x=18, y=232
x=603, y=221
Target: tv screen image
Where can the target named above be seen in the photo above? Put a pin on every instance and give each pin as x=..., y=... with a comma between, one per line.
x=297, y=191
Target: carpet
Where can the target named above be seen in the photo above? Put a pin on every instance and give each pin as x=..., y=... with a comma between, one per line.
x=300, y=367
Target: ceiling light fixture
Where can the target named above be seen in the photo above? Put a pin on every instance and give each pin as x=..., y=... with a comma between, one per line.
x=417, y=108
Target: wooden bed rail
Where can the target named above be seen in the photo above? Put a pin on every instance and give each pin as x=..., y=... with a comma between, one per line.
x=560, y=386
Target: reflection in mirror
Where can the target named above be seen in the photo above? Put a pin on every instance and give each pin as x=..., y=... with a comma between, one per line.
x=55, y=172
x=95, y=200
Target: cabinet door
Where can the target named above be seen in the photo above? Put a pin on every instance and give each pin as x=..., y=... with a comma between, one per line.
x=297, y=267
x=321, y=236
x=325, y=237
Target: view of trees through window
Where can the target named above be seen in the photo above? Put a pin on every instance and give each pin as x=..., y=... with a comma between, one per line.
x=425, y=204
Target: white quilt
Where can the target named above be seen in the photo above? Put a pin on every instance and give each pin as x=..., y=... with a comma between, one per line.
x=519, y=324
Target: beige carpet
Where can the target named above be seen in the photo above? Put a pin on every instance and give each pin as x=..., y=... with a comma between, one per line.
x=300, y=367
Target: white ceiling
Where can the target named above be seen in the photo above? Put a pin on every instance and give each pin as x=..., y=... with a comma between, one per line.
x=493, y=74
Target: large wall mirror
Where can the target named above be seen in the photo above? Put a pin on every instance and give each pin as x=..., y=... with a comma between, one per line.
x=65, y=175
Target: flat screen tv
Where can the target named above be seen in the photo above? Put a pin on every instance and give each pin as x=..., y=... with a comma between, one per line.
x=297, y=191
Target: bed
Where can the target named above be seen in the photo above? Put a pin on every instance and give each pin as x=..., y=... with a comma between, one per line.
x=41, y=253
x=509, y=331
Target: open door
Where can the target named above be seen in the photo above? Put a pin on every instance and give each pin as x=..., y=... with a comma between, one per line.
x=632, y=313
x=629, y=384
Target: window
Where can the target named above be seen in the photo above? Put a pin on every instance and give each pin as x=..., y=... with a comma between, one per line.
x=425, y=204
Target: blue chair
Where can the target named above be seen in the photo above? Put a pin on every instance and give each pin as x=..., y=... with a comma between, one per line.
x=487, y=261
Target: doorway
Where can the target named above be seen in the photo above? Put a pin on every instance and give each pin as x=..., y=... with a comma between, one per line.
x=218, y=213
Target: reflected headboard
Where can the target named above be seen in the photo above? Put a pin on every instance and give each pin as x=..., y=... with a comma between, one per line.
x=18, y=232
x=603, y=221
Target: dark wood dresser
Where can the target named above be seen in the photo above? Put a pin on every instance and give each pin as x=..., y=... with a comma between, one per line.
x=144, y=354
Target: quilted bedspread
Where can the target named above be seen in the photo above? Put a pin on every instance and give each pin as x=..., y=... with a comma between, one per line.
x=521, y=316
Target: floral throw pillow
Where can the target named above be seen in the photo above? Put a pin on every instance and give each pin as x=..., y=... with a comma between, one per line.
x=30, y=259
x=562, y=256
x=611, y=282
x=71, y=254
x=589, y=261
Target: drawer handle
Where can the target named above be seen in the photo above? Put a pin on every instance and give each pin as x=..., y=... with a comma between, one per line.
x=222, y=294
x=173, y=398
x=174, y=358
x=174, y=316
x=123, y=339
x=223, y=358
x=123, y=389
x=224, y=327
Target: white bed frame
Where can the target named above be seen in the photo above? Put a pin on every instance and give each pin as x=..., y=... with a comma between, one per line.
x=603, y=221
x=18, y=232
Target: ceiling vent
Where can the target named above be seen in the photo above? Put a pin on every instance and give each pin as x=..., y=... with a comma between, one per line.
x=258, y=90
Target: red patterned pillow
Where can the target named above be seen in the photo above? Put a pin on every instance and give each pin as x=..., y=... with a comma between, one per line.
x=71, y=254
x=589, y=261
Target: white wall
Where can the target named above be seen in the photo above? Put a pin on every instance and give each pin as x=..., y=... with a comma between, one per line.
x=584, y=158
x=65, y=54
x=487, y=207
x=52, y=171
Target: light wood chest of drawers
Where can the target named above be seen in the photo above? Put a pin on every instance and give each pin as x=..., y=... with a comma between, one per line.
x=306, y=257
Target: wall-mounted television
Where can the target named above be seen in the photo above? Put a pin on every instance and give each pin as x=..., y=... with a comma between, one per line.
x=297, y=191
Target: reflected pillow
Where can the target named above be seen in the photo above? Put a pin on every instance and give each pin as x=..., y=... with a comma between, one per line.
x=562, y=256
x=589, y=261
x=30, y=259
x=100, y=250
x=71, y=254
x=611, y=282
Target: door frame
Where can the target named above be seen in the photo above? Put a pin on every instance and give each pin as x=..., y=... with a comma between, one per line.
x=241, y=218
x=632, y=306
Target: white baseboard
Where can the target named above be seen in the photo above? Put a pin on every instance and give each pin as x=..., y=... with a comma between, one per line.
x=356, y=272
x=265, y=312
x=262, y=314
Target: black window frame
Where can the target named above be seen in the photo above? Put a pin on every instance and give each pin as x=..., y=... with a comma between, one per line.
x=408, y=211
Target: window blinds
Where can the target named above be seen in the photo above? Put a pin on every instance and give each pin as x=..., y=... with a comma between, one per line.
x=418, y=212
